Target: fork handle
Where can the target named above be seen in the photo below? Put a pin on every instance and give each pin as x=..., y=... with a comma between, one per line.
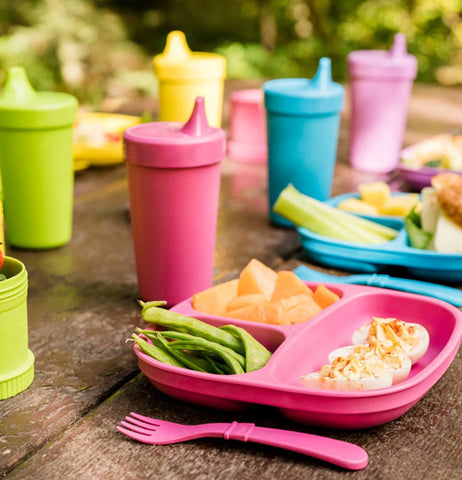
x=337, y=452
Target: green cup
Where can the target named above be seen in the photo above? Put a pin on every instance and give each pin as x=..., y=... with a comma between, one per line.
x=16, y=360
x=36, y=163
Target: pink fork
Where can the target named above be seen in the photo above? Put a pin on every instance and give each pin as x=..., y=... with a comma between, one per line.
x=160, y=432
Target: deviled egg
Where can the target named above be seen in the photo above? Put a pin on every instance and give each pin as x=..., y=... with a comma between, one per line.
x=412, y=337
x=353, y=372
x=396, y=362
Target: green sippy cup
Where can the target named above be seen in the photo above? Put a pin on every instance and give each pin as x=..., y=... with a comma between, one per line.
x=36, y=163
x=16, y=360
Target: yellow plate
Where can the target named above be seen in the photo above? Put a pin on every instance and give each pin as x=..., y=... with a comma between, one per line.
x=98, y=138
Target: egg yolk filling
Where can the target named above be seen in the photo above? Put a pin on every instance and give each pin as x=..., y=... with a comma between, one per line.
x=390, y=331
x=362, y=363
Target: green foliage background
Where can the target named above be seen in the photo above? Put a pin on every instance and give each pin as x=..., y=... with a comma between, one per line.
x=103, y=48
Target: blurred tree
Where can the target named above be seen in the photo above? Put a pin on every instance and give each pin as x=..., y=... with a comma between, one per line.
x=267, y=38
x=69, y=45
x=100, y=48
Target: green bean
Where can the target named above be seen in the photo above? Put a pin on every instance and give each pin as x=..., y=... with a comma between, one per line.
x=176, y=321
x=217, y=367
x=156, y=352
x=203, y=341
x=234, y=364
x=194, y=363
x=256, y=355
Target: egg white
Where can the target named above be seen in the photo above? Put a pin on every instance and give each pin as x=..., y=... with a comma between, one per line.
x=314, y=380
x=414, y=352
x=398, y=373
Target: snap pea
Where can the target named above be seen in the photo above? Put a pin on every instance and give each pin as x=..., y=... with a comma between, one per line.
x=230, y=360
x=256, y=355
x=217, y=367
x=193, y=362
x=156, y=352
x=216, y=347
x=175, y=321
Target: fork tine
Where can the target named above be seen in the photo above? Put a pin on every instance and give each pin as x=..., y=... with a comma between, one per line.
x=147, y=426
x=152, y=421
x=135, y=436
x=135, y=428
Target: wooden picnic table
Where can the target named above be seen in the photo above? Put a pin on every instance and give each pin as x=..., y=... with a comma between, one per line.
x=82, y=308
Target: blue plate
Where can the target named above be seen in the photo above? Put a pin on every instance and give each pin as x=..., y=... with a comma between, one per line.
x=355, y=257
x=392, y=221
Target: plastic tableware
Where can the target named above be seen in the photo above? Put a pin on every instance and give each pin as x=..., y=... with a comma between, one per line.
x=447, y=294
x=381, y=84
x=426, y=264
x=303, y=348
x=303, y=119
x=98, y=138
x=393, y=221
x=16, y=360
x=418, y=178
x=36, y=163
x=160, y=432
x=174, y=182
x=247, y=142
x=184, y=75
x=434, y=148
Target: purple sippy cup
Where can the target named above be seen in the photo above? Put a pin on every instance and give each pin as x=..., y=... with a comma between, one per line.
x=380, y=84
x=173, y=173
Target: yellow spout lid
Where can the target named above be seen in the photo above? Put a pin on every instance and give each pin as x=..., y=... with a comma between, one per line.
x=177, y=61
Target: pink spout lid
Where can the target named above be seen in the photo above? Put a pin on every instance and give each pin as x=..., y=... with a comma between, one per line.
x=176, y=144
x=394, y=63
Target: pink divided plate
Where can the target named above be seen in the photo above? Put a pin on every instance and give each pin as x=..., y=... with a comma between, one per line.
x=303, y=348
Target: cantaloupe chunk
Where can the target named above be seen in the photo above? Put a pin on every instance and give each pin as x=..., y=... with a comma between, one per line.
x=290, y=302
x=263, y=312
x=357, y=206
x=375, y=193
x=214, y=300
x=242, y=301
x=324, y=297
x=302, y=312
x=288, y=284
x=257, y=278
x=400, y=205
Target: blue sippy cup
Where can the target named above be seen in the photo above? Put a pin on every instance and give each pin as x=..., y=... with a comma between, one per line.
x=303, y=120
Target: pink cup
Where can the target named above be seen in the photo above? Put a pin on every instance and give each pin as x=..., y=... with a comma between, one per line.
x=174, y=181
x=247, y=141
x=381, y=84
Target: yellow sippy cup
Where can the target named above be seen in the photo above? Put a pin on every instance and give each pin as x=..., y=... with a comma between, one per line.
x=183, y=76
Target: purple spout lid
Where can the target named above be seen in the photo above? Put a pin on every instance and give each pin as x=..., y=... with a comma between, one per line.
x=176, y=144
x=386, y=64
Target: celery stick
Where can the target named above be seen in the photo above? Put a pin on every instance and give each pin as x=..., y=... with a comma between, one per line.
x=329, y=221
x=351, y=220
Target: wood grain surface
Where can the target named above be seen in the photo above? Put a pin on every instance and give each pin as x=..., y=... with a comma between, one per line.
x=82, y=308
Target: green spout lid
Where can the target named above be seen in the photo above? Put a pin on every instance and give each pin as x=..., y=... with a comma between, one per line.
x=21, y=107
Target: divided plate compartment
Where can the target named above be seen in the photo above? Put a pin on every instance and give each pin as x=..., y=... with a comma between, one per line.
x=418, y=178
x=425, y=264
x=304, y=348
x=392, y=221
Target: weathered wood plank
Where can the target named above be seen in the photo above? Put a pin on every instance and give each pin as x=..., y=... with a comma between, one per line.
x=82, y=308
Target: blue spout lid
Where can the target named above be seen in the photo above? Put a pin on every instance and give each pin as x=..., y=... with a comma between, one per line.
x=302, y=96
